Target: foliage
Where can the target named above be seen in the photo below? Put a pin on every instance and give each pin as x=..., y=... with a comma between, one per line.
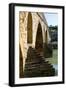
x=53, y=27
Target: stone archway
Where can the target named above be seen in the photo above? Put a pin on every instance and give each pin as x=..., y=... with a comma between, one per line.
x=39, y=40
x=29, y=28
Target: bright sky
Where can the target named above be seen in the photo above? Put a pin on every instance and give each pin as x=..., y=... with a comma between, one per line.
x=52, y=18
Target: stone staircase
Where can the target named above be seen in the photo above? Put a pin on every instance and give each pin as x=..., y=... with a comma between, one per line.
x=36, y=65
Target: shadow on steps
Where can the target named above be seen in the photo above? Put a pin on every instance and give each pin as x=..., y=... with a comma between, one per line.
x=37, y=66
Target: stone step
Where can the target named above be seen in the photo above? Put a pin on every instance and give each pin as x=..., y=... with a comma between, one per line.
x=40, y=73
x=48, y=66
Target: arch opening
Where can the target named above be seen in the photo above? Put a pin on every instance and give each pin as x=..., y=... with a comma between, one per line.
x=39, y=40
x=29, y=28
x=46, y=37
